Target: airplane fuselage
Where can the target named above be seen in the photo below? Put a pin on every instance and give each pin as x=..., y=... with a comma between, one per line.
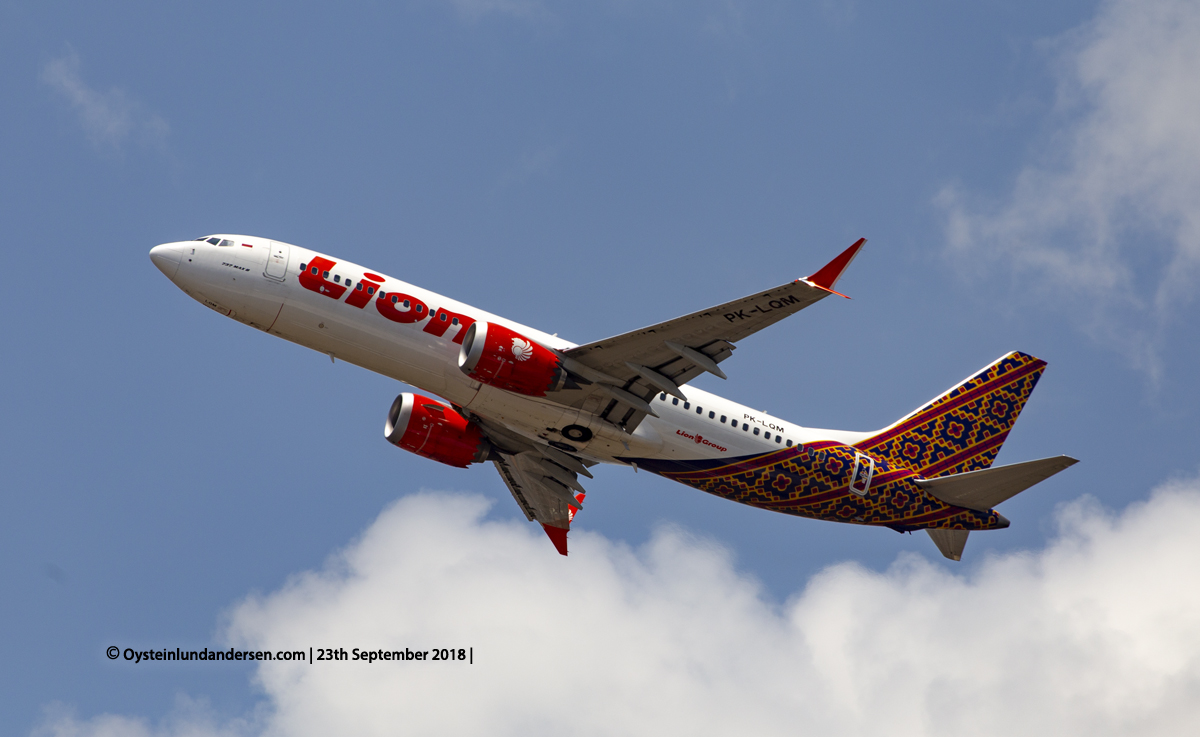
x=413, y=335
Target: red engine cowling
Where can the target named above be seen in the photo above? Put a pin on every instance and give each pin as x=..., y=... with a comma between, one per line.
x=429, y=428
x=505, y=359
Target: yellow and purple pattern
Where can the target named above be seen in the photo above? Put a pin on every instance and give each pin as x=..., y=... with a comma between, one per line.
x=963, y=429
x=960, y=431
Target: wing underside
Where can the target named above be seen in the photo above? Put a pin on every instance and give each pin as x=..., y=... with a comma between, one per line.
x=543, y=480
x=543, y=490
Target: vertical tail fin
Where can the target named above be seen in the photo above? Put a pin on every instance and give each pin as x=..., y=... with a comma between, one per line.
x=963, y=429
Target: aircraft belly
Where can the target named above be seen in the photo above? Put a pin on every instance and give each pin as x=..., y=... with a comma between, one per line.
x=547, y=420
x=526, y=417
x=518, y=411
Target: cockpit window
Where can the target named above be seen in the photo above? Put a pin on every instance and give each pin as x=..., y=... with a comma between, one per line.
x=226, y=242
x=215, y=241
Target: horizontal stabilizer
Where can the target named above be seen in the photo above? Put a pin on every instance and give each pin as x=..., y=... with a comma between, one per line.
x=950, y=542
x=982, y=490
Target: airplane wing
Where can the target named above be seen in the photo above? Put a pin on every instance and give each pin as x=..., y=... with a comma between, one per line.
x=543, y=480
x=543, y=490
x=627, y=370
x=621, y=374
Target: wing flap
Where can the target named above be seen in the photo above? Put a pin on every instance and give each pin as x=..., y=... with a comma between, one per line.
x=982, y=490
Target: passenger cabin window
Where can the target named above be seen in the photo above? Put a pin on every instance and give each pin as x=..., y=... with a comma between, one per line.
x=303, y=267
x=722, y=419
x=337, y=278
x=767, y=435
x=756, y=431
x=675, y=401
x=687, y=405
x=789, y=443
x=699, y=410
x=662, y=397
x=712, y=415
x=777, y=438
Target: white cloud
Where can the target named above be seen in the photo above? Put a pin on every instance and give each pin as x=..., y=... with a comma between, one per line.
x=190, y=718
x=108, y=118
x=1098, y=634
x=1107, y=217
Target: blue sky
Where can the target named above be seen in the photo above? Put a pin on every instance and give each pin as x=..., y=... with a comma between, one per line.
x=1026, y=174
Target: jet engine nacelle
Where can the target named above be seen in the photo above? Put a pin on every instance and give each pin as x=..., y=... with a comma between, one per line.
x=503, y=358
x=429, y=428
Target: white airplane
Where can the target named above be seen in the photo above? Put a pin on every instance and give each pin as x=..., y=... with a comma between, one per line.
x=544, y=410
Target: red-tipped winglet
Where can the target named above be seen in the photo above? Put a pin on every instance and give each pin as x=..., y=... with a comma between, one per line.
x=832, y=271
x=558, y=536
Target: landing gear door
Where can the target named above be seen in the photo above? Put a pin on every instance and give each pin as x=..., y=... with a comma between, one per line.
x=277, y=261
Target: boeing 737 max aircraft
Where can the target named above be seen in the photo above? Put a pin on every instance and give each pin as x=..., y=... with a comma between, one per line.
x=544, y=410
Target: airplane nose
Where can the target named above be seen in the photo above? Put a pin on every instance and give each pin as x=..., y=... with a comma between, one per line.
x=167, y=258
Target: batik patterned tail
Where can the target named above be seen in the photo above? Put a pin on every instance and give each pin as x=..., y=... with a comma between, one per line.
x=963, y=429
